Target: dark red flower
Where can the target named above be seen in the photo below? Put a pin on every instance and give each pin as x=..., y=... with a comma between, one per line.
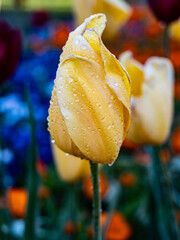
x=165, y=10
x=39, y=18
x=10, y=50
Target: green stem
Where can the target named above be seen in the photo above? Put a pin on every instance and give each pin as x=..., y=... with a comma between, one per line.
x=96, y=201
x=157, y=196
x=32, y=180
x=165, y=217
x=166, y=41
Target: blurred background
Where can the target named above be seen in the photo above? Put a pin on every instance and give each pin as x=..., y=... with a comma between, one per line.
x=36, y=202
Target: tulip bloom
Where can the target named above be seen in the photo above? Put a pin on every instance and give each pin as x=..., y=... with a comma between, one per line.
x=10, y=50
x=117, y=13
x=17, y=199
x=175, y=30
x=152, y=98
x=165, y=10
x=89, y=114
x=70, y=168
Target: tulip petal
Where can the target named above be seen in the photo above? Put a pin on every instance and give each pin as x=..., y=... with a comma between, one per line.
x=117, y=13
x=58, y=128
x=116, y=77
x=97, y=22
x=119, y=82
x=152, y=112
x=70, y=168
x=96, y=114
x=136, y=72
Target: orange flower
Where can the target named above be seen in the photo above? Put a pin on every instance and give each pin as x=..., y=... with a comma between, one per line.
x=130, y=46
x=175, y=141
x=138, y=12
x=127, y=179
x=69, y=228
x=87, y=186
x=61, y=36
x=175, y=58
x=17, y=198
x=154, y=29
x=128, y=144
x=119, y=228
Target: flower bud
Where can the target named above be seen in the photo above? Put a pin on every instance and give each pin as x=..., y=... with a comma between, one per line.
x=89, y=114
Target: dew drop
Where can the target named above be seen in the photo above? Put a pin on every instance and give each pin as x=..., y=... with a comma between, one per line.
x=67, y=154
x=110, y=164
x=109, y=104
x=77, y=41
x=52, y=140
x=70, y=79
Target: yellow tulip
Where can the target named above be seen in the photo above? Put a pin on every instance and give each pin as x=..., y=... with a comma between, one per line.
x=175, y=30
x=116, y=11
x=89, y=114
x=70, y=168
x=152, y=98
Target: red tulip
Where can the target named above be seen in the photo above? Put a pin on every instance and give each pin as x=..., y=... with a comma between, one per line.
x=10, y=50
x=165, y=10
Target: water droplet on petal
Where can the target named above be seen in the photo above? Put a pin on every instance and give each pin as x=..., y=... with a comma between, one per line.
x=77, y=42
x=109, y=104
x=52, y=140
x=110, y=164
x=111, y=97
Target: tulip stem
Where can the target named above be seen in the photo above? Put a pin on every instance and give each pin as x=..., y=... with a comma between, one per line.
x=96, y=201
x=29, y=232
x=167, y=225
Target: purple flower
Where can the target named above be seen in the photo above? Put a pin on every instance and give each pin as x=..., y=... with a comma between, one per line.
x=10, y=50
x=165, y=10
